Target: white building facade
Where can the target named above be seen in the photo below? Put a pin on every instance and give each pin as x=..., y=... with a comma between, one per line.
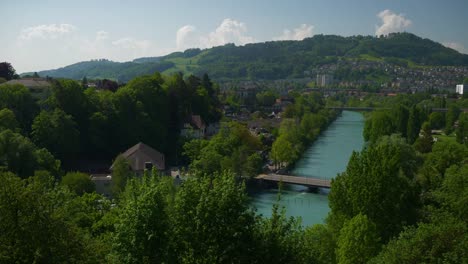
x=459, y=89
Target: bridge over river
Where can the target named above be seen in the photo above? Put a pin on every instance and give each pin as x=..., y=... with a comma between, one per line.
x=305, y=181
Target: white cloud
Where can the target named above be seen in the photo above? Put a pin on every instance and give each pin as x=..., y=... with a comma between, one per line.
x=186, y=37
x=391, y=22
x=229, y=31
x=50, y=46
x=300, y=33
x=456, y=46
x=131, y=43
x=51, y=31
x=102, y=35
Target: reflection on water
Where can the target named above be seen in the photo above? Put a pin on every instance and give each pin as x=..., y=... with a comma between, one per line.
x=327, y=157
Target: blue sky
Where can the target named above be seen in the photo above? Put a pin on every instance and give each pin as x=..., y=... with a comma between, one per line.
x=39, y=35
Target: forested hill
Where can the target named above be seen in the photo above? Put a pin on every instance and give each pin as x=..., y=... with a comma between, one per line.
x=100, y=69
x=275, y=59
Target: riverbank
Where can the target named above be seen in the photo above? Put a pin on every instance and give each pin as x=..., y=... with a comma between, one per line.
x=324, y=158
x=296, y=135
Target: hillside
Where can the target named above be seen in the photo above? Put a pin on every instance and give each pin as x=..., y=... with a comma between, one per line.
x=100, y=69
x=275, y=59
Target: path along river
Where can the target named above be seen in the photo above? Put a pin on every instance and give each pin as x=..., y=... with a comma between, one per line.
x=325, y=158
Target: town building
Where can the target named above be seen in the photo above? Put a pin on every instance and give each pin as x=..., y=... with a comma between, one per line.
x=460, y=87
x=39, y=87
x=324, y=80
x=194, y=127
x=142, y=157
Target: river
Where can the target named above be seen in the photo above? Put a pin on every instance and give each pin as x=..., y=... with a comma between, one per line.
x=325, y=158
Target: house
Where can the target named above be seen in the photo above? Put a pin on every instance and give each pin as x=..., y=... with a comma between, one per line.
x=195, y=127
x=39, y=87
x=142, y=157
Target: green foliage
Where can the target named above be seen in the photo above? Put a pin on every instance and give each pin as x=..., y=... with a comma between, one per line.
x=213, y=222
x=7, y=71
x=279, y=239
x=358, y=241
x=424, y=143
x=400, y=119
x=379, y=182
x=306, y=118
x=33, y=226
x=443, y=240
x=278, y=59
x=319, y=244
x=56, y=131
x=141, y=230
x=120, y=175
x=8, y=120
x=19, y=155
x=437, y=120
x=379, y=124
x=78, y=183
x=18, y=99
x=443, y=155
x=282, y=151
x=453, y=194
x=450, y=117
x=414, y=125
x=68, y=96
x=233, y=148
x=266, y=98
x=462, y=129
x=101, y=69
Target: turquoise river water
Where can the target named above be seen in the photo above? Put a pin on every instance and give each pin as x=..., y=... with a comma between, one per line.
x=325, y=158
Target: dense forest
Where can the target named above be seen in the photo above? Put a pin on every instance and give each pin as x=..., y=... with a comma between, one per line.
x=78, y=124
x=273, y=60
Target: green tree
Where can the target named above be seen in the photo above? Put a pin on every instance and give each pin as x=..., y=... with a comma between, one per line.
x=444, y=154
x=18, y=99
x=424, y=143
x=282, y=151
x=8, y=120
x=450, y=117
x=453, y=194
x=442, y=240
x=69, y=96
x=78, y=183
x=379, y=124
x=142, y=112
x=462, y=129
x=266, y=98
x=254, y=165
x=414, y=125
x=141, y=234
x=319, y=245
x=401, y=116
x=379, y=182
x=212, y=221
x=57, y=132
x=33, y=226
x=7, y=71
x=437, y=120
x=230, y=149
x=17, y=153
x=279, y=239
x=358, y=241
x=120, y=175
